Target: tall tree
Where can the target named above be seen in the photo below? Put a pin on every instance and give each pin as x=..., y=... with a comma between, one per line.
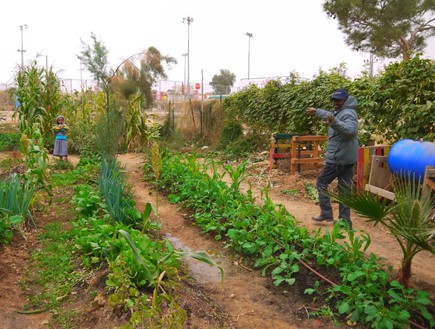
x=386, y=28
x=94, y=58
x=223, y=82
x=130, y=78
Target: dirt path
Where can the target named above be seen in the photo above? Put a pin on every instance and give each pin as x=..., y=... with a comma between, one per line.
x=246, y=297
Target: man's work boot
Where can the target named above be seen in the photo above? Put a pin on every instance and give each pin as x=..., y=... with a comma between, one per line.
x=321, y=219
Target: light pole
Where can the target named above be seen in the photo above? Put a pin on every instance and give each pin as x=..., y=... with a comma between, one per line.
x=188, y=20
x=184, y=81
x=250, y=35
x=22, y=27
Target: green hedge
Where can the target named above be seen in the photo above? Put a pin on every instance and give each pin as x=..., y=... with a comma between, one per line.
x=397, y=103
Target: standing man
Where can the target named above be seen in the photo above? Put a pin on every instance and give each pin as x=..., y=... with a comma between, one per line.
x=341, y=153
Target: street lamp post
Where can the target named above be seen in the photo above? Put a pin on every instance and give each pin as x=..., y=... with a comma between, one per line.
x=22, y=51
x=188, y=20
x=250, y=35
x=184, y=81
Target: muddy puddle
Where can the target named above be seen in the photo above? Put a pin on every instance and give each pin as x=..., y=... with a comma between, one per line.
x=202, y=272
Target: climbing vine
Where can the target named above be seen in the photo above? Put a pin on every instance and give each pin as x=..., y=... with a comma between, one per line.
x=397, y=103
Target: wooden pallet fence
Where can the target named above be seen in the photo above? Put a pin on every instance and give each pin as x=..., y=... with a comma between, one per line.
x=429, y=180
x=300, y=151
x=280, y=148
x=365, y=156
x=380, y=177
x=306, y=152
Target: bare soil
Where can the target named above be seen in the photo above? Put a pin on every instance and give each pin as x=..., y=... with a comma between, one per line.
x=245, y=300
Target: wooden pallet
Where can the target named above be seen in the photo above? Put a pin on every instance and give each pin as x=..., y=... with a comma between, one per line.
x=299, y=151
x=306, y=152
x=380, y=178
x=280, y=148
x=365, y=156
x=429, y=180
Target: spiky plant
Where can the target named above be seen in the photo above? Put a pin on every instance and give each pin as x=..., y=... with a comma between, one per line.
x=409, y=218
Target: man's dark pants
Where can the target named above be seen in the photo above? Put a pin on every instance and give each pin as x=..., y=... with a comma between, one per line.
x=344, y=173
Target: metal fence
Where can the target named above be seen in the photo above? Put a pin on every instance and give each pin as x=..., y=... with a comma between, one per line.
x=162, y=88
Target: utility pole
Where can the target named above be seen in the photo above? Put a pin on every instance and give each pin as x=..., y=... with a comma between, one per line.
x=202, y=102
x=22, y=51
x=188, y=20
x=250, y=35
x=184, y=81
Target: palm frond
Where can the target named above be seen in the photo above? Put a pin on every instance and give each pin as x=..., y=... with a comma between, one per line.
x=365, y=204
x=413, y=214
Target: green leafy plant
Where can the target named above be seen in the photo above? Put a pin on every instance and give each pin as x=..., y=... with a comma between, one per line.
x=237, y=174
x=53, y=269
x=311, y=191
x=15, y=199
x=9, y=141
x=62, y=165
x=116, y=193
x=281, y=248
x=7, y=226
x=153, y=278
x=290, y=192
x=36, y=159
x=409, y=219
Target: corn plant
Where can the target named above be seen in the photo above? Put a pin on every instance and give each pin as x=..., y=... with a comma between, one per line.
x=237, y=174
x=156, y=166
x=39, y=96
x=137, y=127
x=36, y=159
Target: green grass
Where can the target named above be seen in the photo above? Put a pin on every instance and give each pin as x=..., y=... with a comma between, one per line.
x=290, y=192
x=52, y=274
x=68, y=175
x=9, y=141
x=62, y=165
x=53, y=271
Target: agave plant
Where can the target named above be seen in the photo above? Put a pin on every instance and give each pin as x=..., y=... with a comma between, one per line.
x=410, y=218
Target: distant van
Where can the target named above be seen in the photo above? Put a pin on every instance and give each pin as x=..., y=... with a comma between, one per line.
x=216, y=96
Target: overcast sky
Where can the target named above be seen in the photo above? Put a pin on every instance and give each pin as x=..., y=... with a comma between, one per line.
x=288, y=35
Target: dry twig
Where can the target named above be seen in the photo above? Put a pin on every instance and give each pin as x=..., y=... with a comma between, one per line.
x=248, y=312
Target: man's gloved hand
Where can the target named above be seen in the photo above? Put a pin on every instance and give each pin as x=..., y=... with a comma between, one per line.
x=311, y=110
x=329, y=119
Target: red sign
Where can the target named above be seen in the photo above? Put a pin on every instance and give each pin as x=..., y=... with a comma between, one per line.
x=197, y=86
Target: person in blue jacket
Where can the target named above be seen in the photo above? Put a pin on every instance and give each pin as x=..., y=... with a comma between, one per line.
x=60, y=144
x=341, y=153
